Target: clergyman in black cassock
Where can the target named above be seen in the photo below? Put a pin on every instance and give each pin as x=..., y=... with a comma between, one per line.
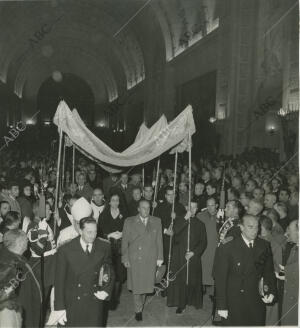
x=164, y=211
x=111, y=228
x=180, y=293
x=242, y=263
x=77, y=279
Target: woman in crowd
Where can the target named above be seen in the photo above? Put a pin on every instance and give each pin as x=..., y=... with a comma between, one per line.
x=110, y=227
x=26, y=201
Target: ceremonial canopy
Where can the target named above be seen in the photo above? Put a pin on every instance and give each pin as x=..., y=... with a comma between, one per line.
x=149, y=143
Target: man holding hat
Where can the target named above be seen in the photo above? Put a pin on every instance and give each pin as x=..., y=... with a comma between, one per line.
x=84, y=274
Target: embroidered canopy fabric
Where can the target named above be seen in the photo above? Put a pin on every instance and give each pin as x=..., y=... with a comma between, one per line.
x=149, y=143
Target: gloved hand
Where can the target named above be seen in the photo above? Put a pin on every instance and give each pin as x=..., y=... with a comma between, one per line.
x=268, y=298
x=188, y=215
x=101, y=295
x=223, y=313
x=159, y=263
x=57, y=317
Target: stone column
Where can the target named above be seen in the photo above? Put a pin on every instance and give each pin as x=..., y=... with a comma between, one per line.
x=234, y=80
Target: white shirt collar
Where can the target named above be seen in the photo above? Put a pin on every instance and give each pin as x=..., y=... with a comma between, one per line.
x=144, y=219
x=84, y=244
x=247, y=241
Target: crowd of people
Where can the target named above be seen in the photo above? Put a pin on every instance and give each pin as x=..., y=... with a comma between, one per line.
x=233, y=236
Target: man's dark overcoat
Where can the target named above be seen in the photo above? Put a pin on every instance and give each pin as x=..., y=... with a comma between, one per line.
x=237, y=276
x=76, y=280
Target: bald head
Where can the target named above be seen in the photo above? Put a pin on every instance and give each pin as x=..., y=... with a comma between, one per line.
x=144, y=208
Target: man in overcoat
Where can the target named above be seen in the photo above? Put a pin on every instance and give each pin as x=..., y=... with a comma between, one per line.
x=142, y=252
x=79, y=289
x=244, y=277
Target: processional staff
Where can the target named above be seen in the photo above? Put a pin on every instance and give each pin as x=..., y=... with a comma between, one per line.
x=57, y=177
x=156, y=184
x=189, y=206
x=63, y=164
x=73, y=165
x=172, y=214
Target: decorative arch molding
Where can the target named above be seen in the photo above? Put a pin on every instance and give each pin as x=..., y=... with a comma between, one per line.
x=185, y=22
x=69, y=63
x=99, y=27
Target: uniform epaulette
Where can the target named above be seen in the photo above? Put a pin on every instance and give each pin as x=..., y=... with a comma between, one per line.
x=107, y=241
x=226, y=240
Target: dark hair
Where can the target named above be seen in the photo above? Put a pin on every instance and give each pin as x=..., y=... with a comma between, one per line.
x=168, y=188
x=212, y=183
x=286, y=189
x=85, y=221
x=148, y=185
x=136, y=188
x=240, y=209
x=12, y=184
x=266, y=222
x=66, y=198
x=254, y=182
x=200, y=181
x=3, y=202
x=10, y=218
x=274, y=213
x=3, y=186
x=213, y=198
x=49, y=195
x=235, y=192
x=114, y=194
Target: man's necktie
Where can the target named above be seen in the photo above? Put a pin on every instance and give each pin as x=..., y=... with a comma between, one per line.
x=251, y=244
x=87, y=250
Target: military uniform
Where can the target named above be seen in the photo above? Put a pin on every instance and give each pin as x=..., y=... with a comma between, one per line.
x=76, y=281
x=291, y=290
x=237, y=275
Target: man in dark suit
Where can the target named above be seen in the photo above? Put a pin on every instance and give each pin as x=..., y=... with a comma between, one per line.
x=84, y=189
x=79, y=289
x=244, y=275
x=142, y=252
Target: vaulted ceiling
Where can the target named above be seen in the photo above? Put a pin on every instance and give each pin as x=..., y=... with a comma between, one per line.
x=107, y=43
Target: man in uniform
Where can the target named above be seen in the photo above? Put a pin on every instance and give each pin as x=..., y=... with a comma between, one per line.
x=80, y=284
x=142, y=252
x=244, y=276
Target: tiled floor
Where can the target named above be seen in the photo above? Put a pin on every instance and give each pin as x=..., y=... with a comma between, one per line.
x=156, y=313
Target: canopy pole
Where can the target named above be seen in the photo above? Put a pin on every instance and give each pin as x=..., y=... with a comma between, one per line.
x=143, y=176
x=57, y=178
x=73, y=165
x=173, y=208
x=156, y=183
x=63, y=165
x=190, y=199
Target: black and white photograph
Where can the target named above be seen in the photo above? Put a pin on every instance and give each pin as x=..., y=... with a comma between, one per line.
x=149, y=163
